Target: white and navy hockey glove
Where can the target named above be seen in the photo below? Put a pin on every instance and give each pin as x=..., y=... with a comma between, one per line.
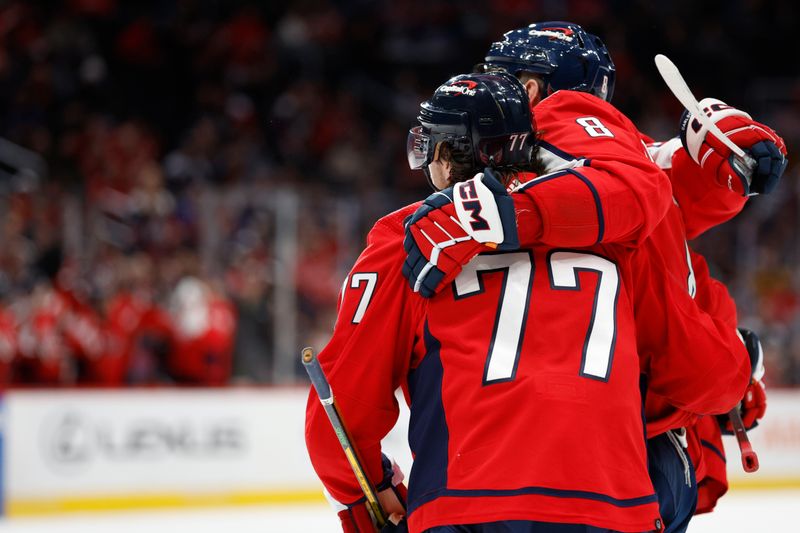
x=765, y=146
x=454, y=225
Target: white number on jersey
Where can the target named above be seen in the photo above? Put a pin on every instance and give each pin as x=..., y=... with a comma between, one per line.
x=512, y=309
x=598, y=348
x=371, y=279
x=594, y=127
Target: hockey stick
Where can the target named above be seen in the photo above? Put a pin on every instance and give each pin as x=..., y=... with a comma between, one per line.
x=675, y=82
x=323, y=388
x=749, y=457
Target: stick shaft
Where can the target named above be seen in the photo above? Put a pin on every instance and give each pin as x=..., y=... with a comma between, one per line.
x=749, y=456
x=676, y=83
x=323, y=388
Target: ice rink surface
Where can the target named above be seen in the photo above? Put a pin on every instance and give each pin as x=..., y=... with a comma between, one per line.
x=738, y=512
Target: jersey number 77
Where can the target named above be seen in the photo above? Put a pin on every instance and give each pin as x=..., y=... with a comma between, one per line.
x=515, y=298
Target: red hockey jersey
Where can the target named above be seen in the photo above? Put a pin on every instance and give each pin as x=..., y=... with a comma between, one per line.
x=523, y=377
x=601, y=187
x=584, y=139
x=702, y=204
x=713, y=298
x=708, y=456
x=523, y=374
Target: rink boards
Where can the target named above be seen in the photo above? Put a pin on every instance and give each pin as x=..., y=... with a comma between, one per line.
x=68, y=451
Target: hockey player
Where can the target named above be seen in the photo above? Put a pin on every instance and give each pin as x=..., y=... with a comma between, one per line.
x=708, y=186
x=523, y=374
x=559, y=55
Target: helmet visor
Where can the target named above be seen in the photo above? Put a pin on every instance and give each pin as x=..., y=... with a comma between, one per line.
x=419, y=148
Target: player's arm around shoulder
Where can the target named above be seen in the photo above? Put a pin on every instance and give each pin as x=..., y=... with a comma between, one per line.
x=366, y=360
x=601, y=186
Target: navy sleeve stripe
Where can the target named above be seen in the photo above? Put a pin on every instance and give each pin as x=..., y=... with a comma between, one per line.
x=541, y=179
x=714, y=449
x=557, y=151
x=601, y=226
x=534, y=491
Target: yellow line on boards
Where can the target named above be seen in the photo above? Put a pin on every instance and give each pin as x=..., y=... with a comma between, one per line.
x=38, y=507
x=54, y=506
x=763, y=483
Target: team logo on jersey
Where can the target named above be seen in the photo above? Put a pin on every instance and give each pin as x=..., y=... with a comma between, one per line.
x=561, y=34
x=465, y=87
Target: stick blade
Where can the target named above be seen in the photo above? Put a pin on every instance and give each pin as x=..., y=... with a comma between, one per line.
x=663, y=63
x=675, y=82
x=672, y=77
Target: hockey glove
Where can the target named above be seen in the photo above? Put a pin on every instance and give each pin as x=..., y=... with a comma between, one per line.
x=754, y=402
x=356, y=518
x=454, y=225
x=764, y=145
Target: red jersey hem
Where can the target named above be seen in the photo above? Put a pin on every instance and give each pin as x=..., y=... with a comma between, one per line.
x=448, y=510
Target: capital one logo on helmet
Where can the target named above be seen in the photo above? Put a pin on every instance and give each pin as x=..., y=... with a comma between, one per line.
x=563, y=34
x=465, y=87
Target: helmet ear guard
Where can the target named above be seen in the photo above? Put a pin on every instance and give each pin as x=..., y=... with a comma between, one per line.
x=561, y=53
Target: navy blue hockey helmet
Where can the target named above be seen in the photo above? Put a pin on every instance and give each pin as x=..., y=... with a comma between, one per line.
x=485, y=114
x=561, y=53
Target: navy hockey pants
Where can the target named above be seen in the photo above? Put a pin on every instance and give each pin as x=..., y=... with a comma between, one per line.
x=518, y=526
x=672, y=473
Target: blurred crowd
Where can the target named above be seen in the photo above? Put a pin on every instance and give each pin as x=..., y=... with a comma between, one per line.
x=154, y=146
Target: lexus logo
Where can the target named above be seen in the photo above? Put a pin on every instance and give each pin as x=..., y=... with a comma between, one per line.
x=67, y=441
x=73, y=441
